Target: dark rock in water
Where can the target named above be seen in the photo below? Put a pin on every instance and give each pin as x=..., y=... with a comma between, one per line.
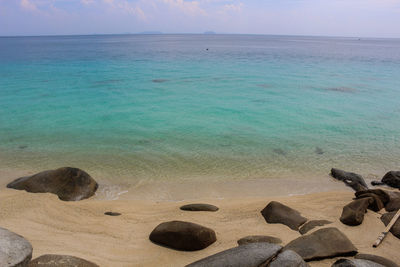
x=52, y=260
x=258, y=239
x=355, y=263
x=382, y=194
x=111, y=213
x=377, y=259
x=319, y=151
x=276, y=212
x=280, y=151
x=159, y=80
x=69, y=184
x=183, y=235
x=288, y=258
x=14, y=249
x=199, y=207
x=250, y=255
x=22, y=146
x=308, y=226
x=392, y=179
x=353, y=213
x=376, y=205
x=353, y=180
x=321, y=244
x=342, y=89
x=396, y=227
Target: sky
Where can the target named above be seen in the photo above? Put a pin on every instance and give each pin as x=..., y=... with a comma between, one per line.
x=355, y=18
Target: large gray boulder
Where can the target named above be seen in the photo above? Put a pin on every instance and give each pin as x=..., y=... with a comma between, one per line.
x=321, y=244
x=250, y=255
x=14, y=249
x=355, y=263
x=392, y=179
x=308, y=226
x=199, y=207
x=185, y=236
x=53, y=260
x=276, y=212
x=353, y=213
x=351, y=179
x=378, y=259
x=69, y=184
x=288, y=258
x=258, y=239
x=386, y=218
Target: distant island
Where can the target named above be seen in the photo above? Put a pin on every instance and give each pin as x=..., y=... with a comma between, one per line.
x=209, y=32
x=150, y=32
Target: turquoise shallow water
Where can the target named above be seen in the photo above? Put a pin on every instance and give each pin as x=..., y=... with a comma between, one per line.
x=165, y=107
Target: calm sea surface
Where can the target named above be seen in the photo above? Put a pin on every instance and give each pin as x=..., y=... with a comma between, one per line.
x=198, y=106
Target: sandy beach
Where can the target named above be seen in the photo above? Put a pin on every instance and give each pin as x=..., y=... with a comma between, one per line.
x=81, y=229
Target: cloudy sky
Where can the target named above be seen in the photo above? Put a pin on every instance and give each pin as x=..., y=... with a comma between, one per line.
x=358, y=18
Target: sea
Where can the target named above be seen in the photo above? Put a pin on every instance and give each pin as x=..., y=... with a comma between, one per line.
x=195, y=107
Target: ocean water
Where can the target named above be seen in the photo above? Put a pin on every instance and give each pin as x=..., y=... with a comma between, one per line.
x=168, y=107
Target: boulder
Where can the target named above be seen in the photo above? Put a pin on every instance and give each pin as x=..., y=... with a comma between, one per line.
x=14, y=249
x=185, y=236
x=378, y=259
x=249, y=255
x=392, y=179
x=69, y=184
x=353, y=213
x=383, y=195
x=376, y=203
x=52, y=260
x=321, y=244
x=258, y=239
x=351, y=179
x=288, y=258
x=308, y=226
x=199, y=207
x=276, y=212
x=393, y=205
x=396, y=227
x=355, y=263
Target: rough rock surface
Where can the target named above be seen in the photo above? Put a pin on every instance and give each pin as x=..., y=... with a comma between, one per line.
x=185, y=236
x=392, y=179
x=353, y=213
x=377, y=259
x=308, y=226
x=321, y=244
x=258, y=239
x=276, y=212
x=355, y=263
x=376, y=203
x=351, y=179
x=250, y=255
x=393, y=205
x=199, y=207
x=52, y=260
x=288, y=258
x=396, y=227
x=14, y=249
x=69, y=184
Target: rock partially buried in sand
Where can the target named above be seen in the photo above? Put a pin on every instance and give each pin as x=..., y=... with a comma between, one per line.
x=353, y=213
x=69, y=184
x=250, y=255
x=199, y=207
x=14, y=249
x=308, y=226
x=288, y=258
x=377, y=259
x=276, y=212
x=321, y=244
x=376, y=203
x=111, y=213
x=355, y=263
x=386, y=218
x=351, y=179
x=52, y=260
x=258, y=239
x=392, y=179
x=184, y=236
x=383, y=195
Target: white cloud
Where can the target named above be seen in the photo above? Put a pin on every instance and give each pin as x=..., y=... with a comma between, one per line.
x=187, y=7
x=27, y=4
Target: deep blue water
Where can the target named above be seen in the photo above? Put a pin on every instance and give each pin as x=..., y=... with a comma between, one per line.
x=193, y=106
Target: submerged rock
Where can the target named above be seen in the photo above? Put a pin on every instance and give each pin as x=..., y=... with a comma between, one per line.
x=319, y=151
x=159, y=80
x=199, y=207
x=386, y=218
x=378, y=259
x=308, y=226
x=321, y=244
x=69, y=184
x=249, y=255
x=14, y=249
x=276, y=212
x=185, y=236
x=353, y=213
x=258, y=239
x=53, y=260
x=351, y=179
x=392, y=179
